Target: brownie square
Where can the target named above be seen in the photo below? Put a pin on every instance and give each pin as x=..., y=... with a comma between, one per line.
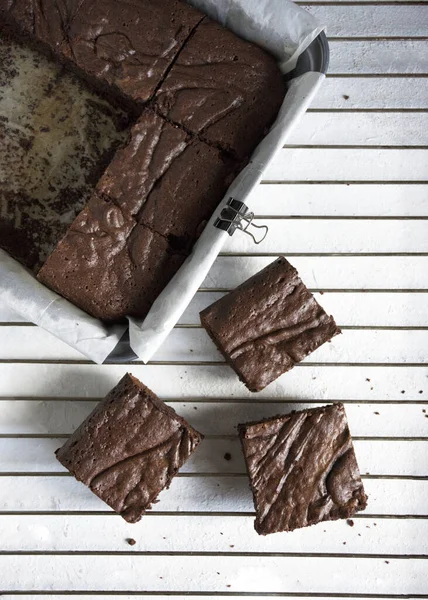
x=223, y=88
x=186, y=196
x=129, y=448
x=302, y=469
x=268, y=324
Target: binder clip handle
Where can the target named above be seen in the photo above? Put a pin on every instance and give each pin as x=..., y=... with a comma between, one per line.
x=235, y=215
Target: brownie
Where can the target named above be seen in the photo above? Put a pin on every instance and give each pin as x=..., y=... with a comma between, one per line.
x=129, y=448
x=302, y=469
x=268, y=324
x=130, y=44
x=123, y=47
x=140, y=223
x=224, y=88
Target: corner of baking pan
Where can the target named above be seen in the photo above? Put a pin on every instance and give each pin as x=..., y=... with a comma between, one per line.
x=316, y=58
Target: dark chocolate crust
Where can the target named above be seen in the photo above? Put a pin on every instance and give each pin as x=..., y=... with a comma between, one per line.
x=268, y=324
x=223, y=88
x=302, y=469
x=129, y=448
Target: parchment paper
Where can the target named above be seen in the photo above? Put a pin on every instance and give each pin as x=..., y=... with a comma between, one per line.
x=286, y=31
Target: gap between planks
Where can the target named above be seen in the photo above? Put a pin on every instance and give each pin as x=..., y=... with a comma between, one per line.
x=210, y=553
x=321, y=595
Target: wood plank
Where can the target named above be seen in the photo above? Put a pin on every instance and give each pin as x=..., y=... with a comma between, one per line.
x=215, y=574
x=348, y=164
x=36, y=455
x=340, y=236
x=362, y=129
x=227, y=534
x=374, y=309
x=190, y=381
x=370, y=419
x=194, y=493
x=340, y=200
x=372, y=93
x=372, y=21
x=360, y=309
x=194, y=345
x=377, y=57
x=323, y=273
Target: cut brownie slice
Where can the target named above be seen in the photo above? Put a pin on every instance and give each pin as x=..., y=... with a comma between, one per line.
x=302, y=469
x=129, y=448
x=110, y=266
x=224, y=88
x=268, y=324
x=130, y=44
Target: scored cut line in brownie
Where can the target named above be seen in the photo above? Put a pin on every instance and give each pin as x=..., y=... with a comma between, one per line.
x=222, y=88
x=129, y=448
x=268, y=324
x=140, y=223
x=302, y=469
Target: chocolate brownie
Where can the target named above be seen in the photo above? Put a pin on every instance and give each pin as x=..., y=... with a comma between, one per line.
x=302, y=469
x=123, y=47
x=224, y=88
x=268, y=324
x=129, y=448
x=140, y=223
x=130, y=44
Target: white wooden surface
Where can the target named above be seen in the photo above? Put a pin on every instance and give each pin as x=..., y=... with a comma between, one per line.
x=347, y=201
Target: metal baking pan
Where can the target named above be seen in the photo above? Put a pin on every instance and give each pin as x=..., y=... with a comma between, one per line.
x=315, y=58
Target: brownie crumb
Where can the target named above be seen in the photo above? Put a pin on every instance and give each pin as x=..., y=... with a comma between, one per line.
x=232, y=545
x=350, y=522
x=403, y=391
x=344, y=543
x=131, y=541
x=387, y=562
x=228, y=456
x=346, y=97
x=376, y=412
x=367, y=379
x=421, y=391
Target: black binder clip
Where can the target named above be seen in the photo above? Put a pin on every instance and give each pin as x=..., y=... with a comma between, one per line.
x=236, y=216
